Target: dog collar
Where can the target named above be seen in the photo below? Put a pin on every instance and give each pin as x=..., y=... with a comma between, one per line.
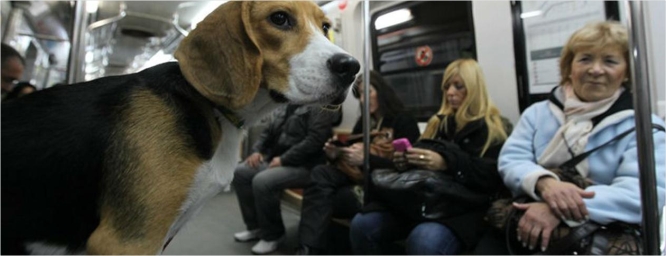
x=231, y=116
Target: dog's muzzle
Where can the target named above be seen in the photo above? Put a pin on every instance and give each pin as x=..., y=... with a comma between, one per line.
x=345, y=67
x=340, y=99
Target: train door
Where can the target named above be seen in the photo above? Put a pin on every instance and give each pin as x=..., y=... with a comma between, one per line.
x=413, y=42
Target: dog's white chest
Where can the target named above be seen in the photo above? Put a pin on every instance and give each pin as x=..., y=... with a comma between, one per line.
x=212, y=176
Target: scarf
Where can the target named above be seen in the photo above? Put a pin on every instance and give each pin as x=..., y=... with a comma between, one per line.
x=572, y=136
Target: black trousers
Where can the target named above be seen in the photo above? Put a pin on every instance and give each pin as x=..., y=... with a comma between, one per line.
x=330, y=195
x=492, y=243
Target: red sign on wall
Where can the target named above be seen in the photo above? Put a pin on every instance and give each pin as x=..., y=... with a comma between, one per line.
x=423, y=56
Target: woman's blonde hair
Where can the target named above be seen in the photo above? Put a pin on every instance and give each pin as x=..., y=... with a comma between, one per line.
x=596, y=35
x=476, y=105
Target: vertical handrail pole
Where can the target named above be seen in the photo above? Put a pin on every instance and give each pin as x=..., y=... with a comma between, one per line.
x=74, y=67
x=366, y=87
x=644, y=140
x=13, y=22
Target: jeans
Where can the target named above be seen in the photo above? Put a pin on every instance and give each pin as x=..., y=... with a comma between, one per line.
x=259, y=191
x=374, y=231
x=330, y=195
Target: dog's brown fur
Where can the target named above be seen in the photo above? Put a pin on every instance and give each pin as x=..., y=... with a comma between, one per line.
x=148, y=140
x=225, y=59
x=158, y=180
x=229, y=68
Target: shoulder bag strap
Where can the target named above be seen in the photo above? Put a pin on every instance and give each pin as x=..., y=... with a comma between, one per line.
x=577, y=159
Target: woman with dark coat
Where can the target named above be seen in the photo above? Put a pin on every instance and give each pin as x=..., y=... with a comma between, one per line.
x=474, y=130
x=332, y=193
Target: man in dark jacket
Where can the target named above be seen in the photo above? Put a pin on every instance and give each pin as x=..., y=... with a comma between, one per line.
x=283, y=156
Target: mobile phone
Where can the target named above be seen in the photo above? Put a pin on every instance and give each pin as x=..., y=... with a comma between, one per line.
x=401, y=144
x=338, y=143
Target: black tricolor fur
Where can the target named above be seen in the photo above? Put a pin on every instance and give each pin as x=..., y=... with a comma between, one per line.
x=57, y=158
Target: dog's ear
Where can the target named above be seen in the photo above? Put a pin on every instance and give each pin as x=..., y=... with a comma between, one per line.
x=220, y=57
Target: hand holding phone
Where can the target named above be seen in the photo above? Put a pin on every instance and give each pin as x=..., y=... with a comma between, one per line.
x=350, y=141
x=401, y=144
x=338, y=143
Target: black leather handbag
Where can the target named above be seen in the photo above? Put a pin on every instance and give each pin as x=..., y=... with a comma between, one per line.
x=424, y=194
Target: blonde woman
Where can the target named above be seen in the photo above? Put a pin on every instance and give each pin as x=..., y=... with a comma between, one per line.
x=592, y=106
x=471, y=123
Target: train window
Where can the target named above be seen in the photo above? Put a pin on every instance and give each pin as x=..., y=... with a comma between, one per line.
x=541, y=28
x=413, y=43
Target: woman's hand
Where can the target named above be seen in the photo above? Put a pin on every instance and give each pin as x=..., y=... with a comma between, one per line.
x=399, y=160
x=538, y=220
x=353, y=154
x=424, y=158
x=332, y=151
x=565, y=199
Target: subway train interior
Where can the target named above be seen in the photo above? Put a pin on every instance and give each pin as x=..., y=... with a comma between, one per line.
x=517, y=44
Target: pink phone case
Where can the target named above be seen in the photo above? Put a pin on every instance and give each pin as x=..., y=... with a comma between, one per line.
x=401, y=144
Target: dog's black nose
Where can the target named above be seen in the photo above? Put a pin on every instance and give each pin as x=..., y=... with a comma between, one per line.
x=345, y=67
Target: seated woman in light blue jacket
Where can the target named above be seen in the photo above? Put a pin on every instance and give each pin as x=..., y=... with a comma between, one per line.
x=592, y=105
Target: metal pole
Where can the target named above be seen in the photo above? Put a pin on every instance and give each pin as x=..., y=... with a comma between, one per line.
x=366, y=87
x=107, y=21
x=641, y=96
x=74, y=67
x=13, y=22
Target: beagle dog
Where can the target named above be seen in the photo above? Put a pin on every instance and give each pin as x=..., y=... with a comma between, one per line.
x=117, y=165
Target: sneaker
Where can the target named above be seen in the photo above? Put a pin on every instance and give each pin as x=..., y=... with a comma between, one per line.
x=266, y=247
x=247, y=235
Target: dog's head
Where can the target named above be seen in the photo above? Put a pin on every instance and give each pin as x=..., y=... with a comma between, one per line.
x=281, y=46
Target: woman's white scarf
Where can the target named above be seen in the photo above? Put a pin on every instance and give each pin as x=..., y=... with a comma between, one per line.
x=572, y=136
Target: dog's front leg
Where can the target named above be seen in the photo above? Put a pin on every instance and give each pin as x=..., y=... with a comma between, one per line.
x=138, y=221
x=107, y=240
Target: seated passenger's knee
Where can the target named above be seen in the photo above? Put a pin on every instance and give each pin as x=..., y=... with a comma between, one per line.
x=321, y=174
x=242, y=175
x=432, y=238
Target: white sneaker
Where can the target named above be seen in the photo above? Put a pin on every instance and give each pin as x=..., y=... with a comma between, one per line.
x=247, y=235
x=266, y=247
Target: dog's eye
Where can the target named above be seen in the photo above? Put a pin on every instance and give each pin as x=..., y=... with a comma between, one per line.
x=281, y=19
x=326, y=27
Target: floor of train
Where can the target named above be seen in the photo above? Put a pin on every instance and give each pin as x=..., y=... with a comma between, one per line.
x=211, y=231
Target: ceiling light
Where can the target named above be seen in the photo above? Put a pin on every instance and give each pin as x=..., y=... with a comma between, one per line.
x=531, y=14
x=91, y=6
x=393, y=18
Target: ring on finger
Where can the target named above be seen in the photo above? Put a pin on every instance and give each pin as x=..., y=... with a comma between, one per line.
x=422, y=156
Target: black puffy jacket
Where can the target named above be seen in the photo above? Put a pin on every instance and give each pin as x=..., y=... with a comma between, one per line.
x=298, y=137
x=477, y=173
